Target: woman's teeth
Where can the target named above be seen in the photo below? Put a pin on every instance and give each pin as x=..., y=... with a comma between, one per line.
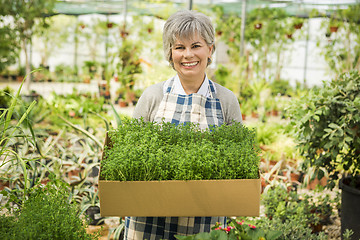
x=190, y=64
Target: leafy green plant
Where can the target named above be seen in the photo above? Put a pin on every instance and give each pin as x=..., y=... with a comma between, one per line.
x=307, y=209
x=291, y=228
x=327, y=127
x=46, y=214
x=144, y=151
x=234, y=231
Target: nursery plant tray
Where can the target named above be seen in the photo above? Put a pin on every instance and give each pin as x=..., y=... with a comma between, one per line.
x=237, y=197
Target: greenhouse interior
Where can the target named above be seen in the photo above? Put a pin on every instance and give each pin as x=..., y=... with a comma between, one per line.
x=85, y=153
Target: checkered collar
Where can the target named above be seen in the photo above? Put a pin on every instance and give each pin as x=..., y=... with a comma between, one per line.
x=178, y=88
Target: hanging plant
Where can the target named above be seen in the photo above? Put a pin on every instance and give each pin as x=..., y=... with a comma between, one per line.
x=298, y=23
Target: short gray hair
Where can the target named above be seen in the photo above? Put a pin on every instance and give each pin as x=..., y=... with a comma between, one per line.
x=185, y=24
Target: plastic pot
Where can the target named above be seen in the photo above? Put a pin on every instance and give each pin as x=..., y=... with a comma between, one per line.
x=94, y=214
x=350, y=208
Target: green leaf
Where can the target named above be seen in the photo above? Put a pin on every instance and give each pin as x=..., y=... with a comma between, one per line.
x=216, y=235
x=185, y=237
x=273, y=235
x=333, y=126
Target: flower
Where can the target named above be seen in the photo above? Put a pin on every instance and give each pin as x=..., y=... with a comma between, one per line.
x=252, y=226
x=241, y=223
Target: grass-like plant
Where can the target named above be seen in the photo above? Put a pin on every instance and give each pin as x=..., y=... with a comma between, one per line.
x=145, y=151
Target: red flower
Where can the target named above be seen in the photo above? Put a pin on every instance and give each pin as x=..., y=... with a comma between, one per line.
x=252, y=226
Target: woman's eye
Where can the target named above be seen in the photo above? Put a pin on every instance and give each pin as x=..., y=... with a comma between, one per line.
x=196, y=46
x=178, y=48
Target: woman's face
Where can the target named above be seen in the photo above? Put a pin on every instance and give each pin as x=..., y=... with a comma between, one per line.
x=190, y=57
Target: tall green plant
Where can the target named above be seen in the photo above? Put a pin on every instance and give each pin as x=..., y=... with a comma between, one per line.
x=9, y=133
x=327, y=126
x=27, y=16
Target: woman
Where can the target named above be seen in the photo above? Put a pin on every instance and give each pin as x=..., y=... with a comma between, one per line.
x=188, y=40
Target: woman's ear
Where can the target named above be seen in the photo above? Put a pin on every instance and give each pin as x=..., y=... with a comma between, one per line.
x=211, y=50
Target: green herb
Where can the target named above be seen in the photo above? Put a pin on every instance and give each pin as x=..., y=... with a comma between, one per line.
x=46, y=214
x=145, y=151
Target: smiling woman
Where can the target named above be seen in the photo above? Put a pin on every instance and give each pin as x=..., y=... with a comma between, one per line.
x=188, y=97
x=190, y=58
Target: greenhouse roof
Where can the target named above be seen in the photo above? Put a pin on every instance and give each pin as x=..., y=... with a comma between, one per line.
x=153, y=7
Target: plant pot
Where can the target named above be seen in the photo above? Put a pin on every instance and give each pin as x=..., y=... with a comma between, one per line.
x=298, y=26
x=94, y=214
x=314, y=183
x=122, y=103
x=333, y=29
x=350, y=208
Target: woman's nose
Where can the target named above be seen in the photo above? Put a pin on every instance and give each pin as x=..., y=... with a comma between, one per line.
x=188, y=53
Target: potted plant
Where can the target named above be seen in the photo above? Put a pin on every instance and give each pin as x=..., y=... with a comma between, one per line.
x=327, y=122
x=91, y=206
x=298, y=23
x=189, y=166
x=334, y=22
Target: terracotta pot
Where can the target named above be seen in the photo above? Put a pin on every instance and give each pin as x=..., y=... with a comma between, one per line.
x=122, y=103
x=275, y=113
x=254, y=115
x=298, y=26
x=314, y=183
x=334, y=29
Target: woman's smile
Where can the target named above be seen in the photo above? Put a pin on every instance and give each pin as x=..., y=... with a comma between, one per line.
x=190, y=58
x=190, y=64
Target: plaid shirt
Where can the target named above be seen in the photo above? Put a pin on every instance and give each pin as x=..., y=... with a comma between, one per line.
x=179, y=109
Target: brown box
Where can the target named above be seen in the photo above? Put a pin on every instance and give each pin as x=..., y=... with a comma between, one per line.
x=235, y=197
x=238, y=197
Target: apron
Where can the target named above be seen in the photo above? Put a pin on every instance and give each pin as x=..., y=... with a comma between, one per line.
x=179, y=109
x=195, y=108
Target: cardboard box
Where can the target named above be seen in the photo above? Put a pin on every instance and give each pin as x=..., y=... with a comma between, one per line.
x=236, y=197
x=239, y=197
